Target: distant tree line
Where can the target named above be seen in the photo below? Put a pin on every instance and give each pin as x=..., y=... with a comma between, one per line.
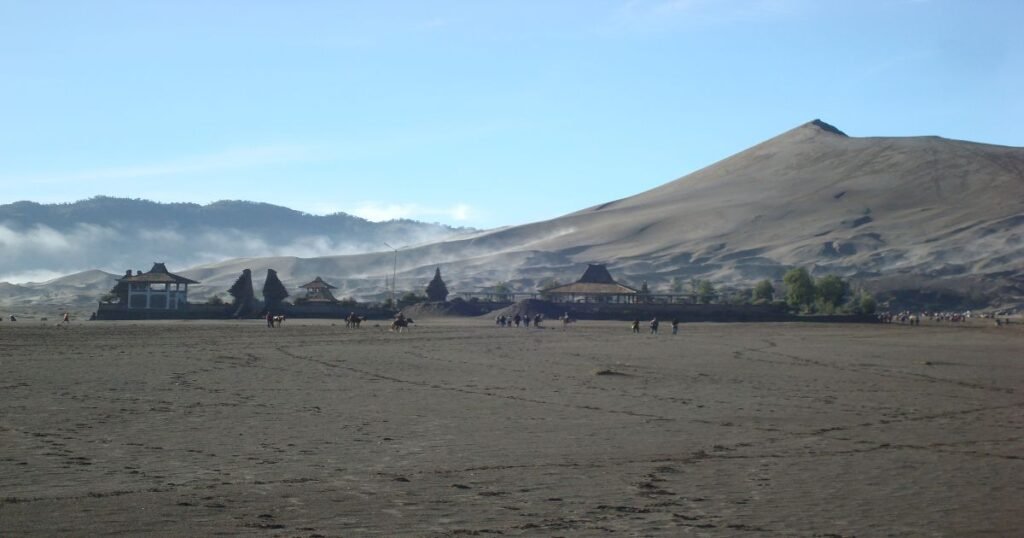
x=828, y=294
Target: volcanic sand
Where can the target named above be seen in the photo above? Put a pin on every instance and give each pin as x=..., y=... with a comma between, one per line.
x=460, y=427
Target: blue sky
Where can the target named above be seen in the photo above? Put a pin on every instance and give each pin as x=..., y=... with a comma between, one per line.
x=478, y=113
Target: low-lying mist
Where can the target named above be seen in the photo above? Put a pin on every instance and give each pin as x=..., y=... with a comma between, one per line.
x=40, y=252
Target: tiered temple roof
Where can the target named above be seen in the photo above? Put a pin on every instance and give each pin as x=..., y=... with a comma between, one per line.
x=319, y=291
x=318, y=283
x=157, y=275
x=596, y=280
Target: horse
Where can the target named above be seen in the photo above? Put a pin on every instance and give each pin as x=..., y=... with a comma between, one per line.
x=352, y=321
x=278, y=320
x=401, y=324
x=566, y=320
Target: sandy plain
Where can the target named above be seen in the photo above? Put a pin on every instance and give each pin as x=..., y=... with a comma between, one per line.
x=461, y=428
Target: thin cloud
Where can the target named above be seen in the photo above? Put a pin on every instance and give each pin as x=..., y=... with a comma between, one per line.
x=246, y=157
x=40, y=253
x=378, y=212
x=31, y=276
x=644, y=13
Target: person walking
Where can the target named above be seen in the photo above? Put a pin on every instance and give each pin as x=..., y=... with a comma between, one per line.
x=654, y=326
x=675, y=326
x=67, y=318
x=270, y=319
x=636, y=326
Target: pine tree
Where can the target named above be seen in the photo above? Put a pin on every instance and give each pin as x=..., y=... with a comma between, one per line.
x=273, y=290
x=436, y=290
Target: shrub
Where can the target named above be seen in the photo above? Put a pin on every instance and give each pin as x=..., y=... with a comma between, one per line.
x=800, y=290
x=764, y=292
x=831, y=291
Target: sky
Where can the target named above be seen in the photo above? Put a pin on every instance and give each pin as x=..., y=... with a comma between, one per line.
x=472, y=113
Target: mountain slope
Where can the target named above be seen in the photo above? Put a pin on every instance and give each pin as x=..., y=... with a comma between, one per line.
x=923, y=220
x=79, y=291
x=813, y=196
x=912, y=217
x=117, y=234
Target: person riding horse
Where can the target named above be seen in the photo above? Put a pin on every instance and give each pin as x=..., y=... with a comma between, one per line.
x=401, y=323
x=352, y=321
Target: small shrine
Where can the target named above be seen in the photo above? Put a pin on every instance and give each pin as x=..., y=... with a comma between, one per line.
x=319, y=291
x=595, y=286
x=158, y=289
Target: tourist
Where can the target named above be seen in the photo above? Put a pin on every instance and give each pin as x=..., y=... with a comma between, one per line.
x=675, y=326
x=536, y=320
x=636, y=326
x=517, y=320
x=526, y=321
x=270, y=319
x=67, y=318
x=654, y=325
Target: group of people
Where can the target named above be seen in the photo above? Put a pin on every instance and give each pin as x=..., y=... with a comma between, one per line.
x=519, y=320
x=914, y=318
x=653, y=325
x=905, y=317
x=65, y=318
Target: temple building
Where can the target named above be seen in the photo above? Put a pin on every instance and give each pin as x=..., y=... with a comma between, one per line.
x=158, y=289
x=595, y=286
x=318, y=291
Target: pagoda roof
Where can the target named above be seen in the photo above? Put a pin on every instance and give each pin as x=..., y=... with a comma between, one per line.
x=592, y=288
x=158, y=275
x=596, y=280
x=318, y=283
x=596, y=274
